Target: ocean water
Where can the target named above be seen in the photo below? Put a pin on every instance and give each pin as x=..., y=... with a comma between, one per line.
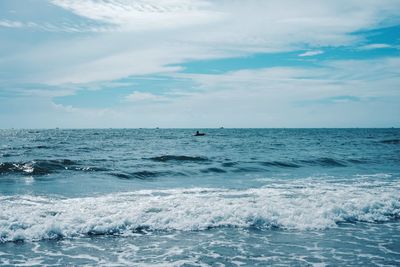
x=235, y=197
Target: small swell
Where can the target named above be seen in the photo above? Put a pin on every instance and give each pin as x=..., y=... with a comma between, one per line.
x=43, y=147
x=280, y=164
x=229, y=164
x=38, y=147
x=391, y=141
x=213, y=170
x=325, y=162
x=142, y=175
x=7, y=155
x=246, y=169
x=166, y=158
x=136, y=175
x=356, y=161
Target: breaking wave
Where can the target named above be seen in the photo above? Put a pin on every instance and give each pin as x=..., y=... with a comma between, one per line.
x=36, y=167
x=292, y=205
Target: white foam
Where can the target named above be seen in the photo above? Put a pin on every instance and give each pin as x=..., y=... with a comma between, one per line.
x=291, y=205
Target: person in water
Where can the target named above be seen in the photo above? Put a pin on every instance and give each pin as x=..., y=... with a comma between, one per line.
x=199, y=134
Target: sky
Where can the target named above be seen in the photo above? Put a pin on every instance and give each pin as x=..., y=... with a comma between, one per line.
x=199, y=64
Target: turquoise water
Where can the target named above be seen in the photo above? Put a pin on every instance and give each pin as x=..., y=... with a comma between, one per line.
x=233, y=197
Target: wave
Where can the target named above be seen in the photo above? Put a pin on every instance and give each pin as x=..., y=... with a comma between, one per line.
x=213, y=170
x=144, y=175
x=299, y=163
x=312, y=205
x=38, y=147
x=165, y=158
x=35, y=167
x=281, y=164
x=391, y=141
x=7, y=155
x=229, y=164
x=325, y=162
x=43, y=167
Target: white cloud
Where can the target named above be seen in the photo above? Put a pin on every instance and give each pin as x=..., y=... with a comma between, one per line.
x=142, y=14
x=148, y=36
x=67, y=27
x=45, y=93
x=360, y=77
x=311, y=53
x=276, y=97
x=374, y=46
x=137, y=96
x=271, y=97
x=11, y=24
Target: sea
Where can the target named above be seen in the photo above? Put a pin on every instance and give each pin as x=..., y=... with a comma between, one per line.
x=234, y=197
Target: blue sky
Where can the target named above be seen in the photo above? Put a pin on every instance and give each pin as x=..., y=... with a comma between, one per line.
x=187, y=63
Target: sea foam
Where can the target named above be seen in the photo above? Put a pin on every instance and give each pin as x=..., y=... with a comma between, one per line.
x=302, y=205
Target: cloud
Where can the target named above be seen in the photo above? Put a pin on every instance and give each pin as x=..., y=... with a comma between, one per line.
x=345, y=92
x=375, y=46
x=143, y=97
x=145, y=37
x=142, y=15
x=361, y=77
x=340, y=99
x=311, y=53
x=11, y=24
x=63, y=26
x=270, y=97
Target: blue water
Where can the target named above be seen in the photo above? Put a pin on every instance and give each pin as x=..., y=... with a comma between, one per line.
x=129, y=197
